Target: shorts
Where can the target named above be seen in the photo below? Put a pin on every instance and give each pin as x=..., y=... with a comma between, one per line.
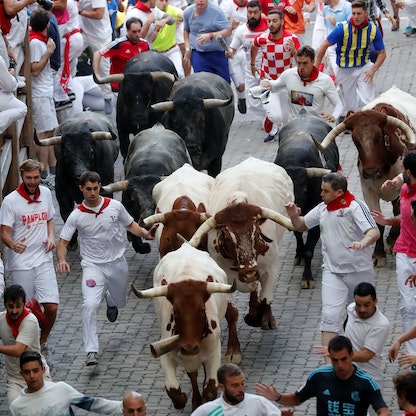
x=44, y=114
x=39, y=282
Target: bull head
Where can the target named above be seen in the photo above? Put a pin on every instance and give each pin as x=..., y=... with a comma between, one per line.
x=56, y=140
x=389, y=120
x=241, y=239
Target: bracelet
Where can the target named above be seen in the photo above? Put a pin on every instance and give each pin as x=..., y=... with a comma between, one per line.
x=211, y=36
x=277, y=400
x=252, y=64
x=80, y=12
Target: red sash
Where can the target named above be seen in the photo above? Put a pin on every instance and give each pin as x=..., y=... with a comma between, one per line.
x=105, y=204
x=21, y=189
x=343, y=201
x=5, y=19
x=66, y=69
x=15, y=324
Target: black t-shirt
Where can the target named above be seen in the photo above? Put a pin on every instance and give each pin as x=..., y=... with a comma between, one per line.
x=337, y=397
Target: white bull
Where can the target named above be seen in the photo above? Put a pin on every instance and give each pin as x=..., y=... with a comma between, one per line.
x=191, y=296
x=242, y=239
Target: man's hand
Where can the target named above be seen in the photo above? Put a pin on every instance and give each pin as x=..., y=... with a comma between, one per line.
x=62, y=267
x=50, y=244
x=20, y=246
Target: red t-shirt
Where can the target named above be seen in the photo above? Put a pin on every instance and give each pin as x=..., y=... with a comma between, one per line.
x=120, y=51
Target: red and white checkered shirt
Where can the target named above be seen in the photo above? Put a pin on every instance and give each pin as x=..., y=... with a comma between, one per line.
x=276, y=57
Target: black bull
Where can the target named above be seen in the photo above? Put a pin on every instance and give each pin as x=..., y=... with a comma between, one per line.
x=201, y=111
x=85, y=142
x=300, y=157
x=153, y=154
x=147, y=79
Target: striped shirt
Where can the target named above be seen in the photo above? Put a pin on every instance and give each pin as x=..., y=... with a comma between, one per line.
x=353, y=49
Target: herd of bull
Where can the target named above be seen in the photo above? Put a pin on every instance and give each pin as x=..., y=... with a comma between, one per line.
x=219, y=232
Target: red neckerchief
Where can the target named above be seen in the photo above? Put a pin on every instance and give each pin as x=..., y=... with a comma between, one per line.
x=240, y=7
x=105, y=204
x=21, y=189
x=409, y=190
x=364, y=24
x=66, y=69
x=141, y=6
x=16, y=324
x=38, y=35
x=313, y=76
x=261, y=27
x=410, y=413
x=342, y=201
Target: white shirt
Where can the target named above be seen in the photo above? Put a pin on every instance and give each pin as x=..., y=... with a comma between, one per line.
x=100, y=237
x=244, y=37
x=55, y=399
x=27, y=221
x=372, y=334
x=339, y=229
x=42, y=85
x=315, y=92
x=252, y=405
x=95, y=28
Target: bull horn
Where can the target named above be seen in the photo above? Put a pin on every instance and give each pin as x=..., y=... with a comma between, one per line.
x=158, y=75
x=116, y=187
x=317, y=172
x=215, y=102
x=409, y=133
x=206, y=226
x=213, y=287
x=108, y=78
x=101, y=135
x=51, y=141
x=153, y=219
x=331, y=136
x=163, y=346
x=163, y=106
x=150, y=293
x=276, y=217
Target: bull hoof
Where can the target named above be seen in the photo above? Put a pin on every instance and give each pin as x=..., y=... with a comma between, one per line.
x=297, y=261
x=307, y=284
x=379, y=262
x=233, y=357
x=268, y=323
x=252, y=320
x=178, y=398
x=210, y=391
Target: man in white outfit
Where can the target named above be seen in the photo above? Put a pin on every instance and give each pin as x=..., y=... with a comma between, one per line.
x=234, y=400
x=102, y=246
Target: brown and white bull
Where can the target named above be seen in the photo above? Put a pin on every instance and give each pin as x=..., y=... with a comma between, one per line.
x=191, y=296
x=382, y=132
x=181, y=199
x=245, y=233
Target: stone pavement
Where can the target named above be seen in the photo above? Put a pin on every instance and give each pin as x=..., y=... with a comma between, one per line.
x=282, y=357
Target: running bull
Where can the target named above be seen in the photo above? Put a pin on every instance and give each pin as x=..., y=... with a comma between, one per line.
x=201, y=110
x=191, y=295
x=147, y=79
x=245, y=233
x=153, y=154
x=382, y=132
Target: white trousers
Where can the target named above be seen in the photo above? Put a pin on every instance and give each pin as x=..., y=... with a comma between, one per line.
x=254, y=106
x=175, y=55
x=354, y=88
x=337, y=293
x=410, y=9
x=277, y=109
x=11, y=109
x=237, y=67
x=97, y=278
x=97, y=43
x=405, y=266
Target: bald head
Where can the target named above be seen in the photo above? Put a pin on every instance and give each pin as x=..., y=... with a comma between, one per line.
x=133, y=404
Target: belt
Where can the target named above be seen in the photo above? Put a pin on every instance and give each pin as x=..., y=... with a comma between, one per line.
x=167, y=50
